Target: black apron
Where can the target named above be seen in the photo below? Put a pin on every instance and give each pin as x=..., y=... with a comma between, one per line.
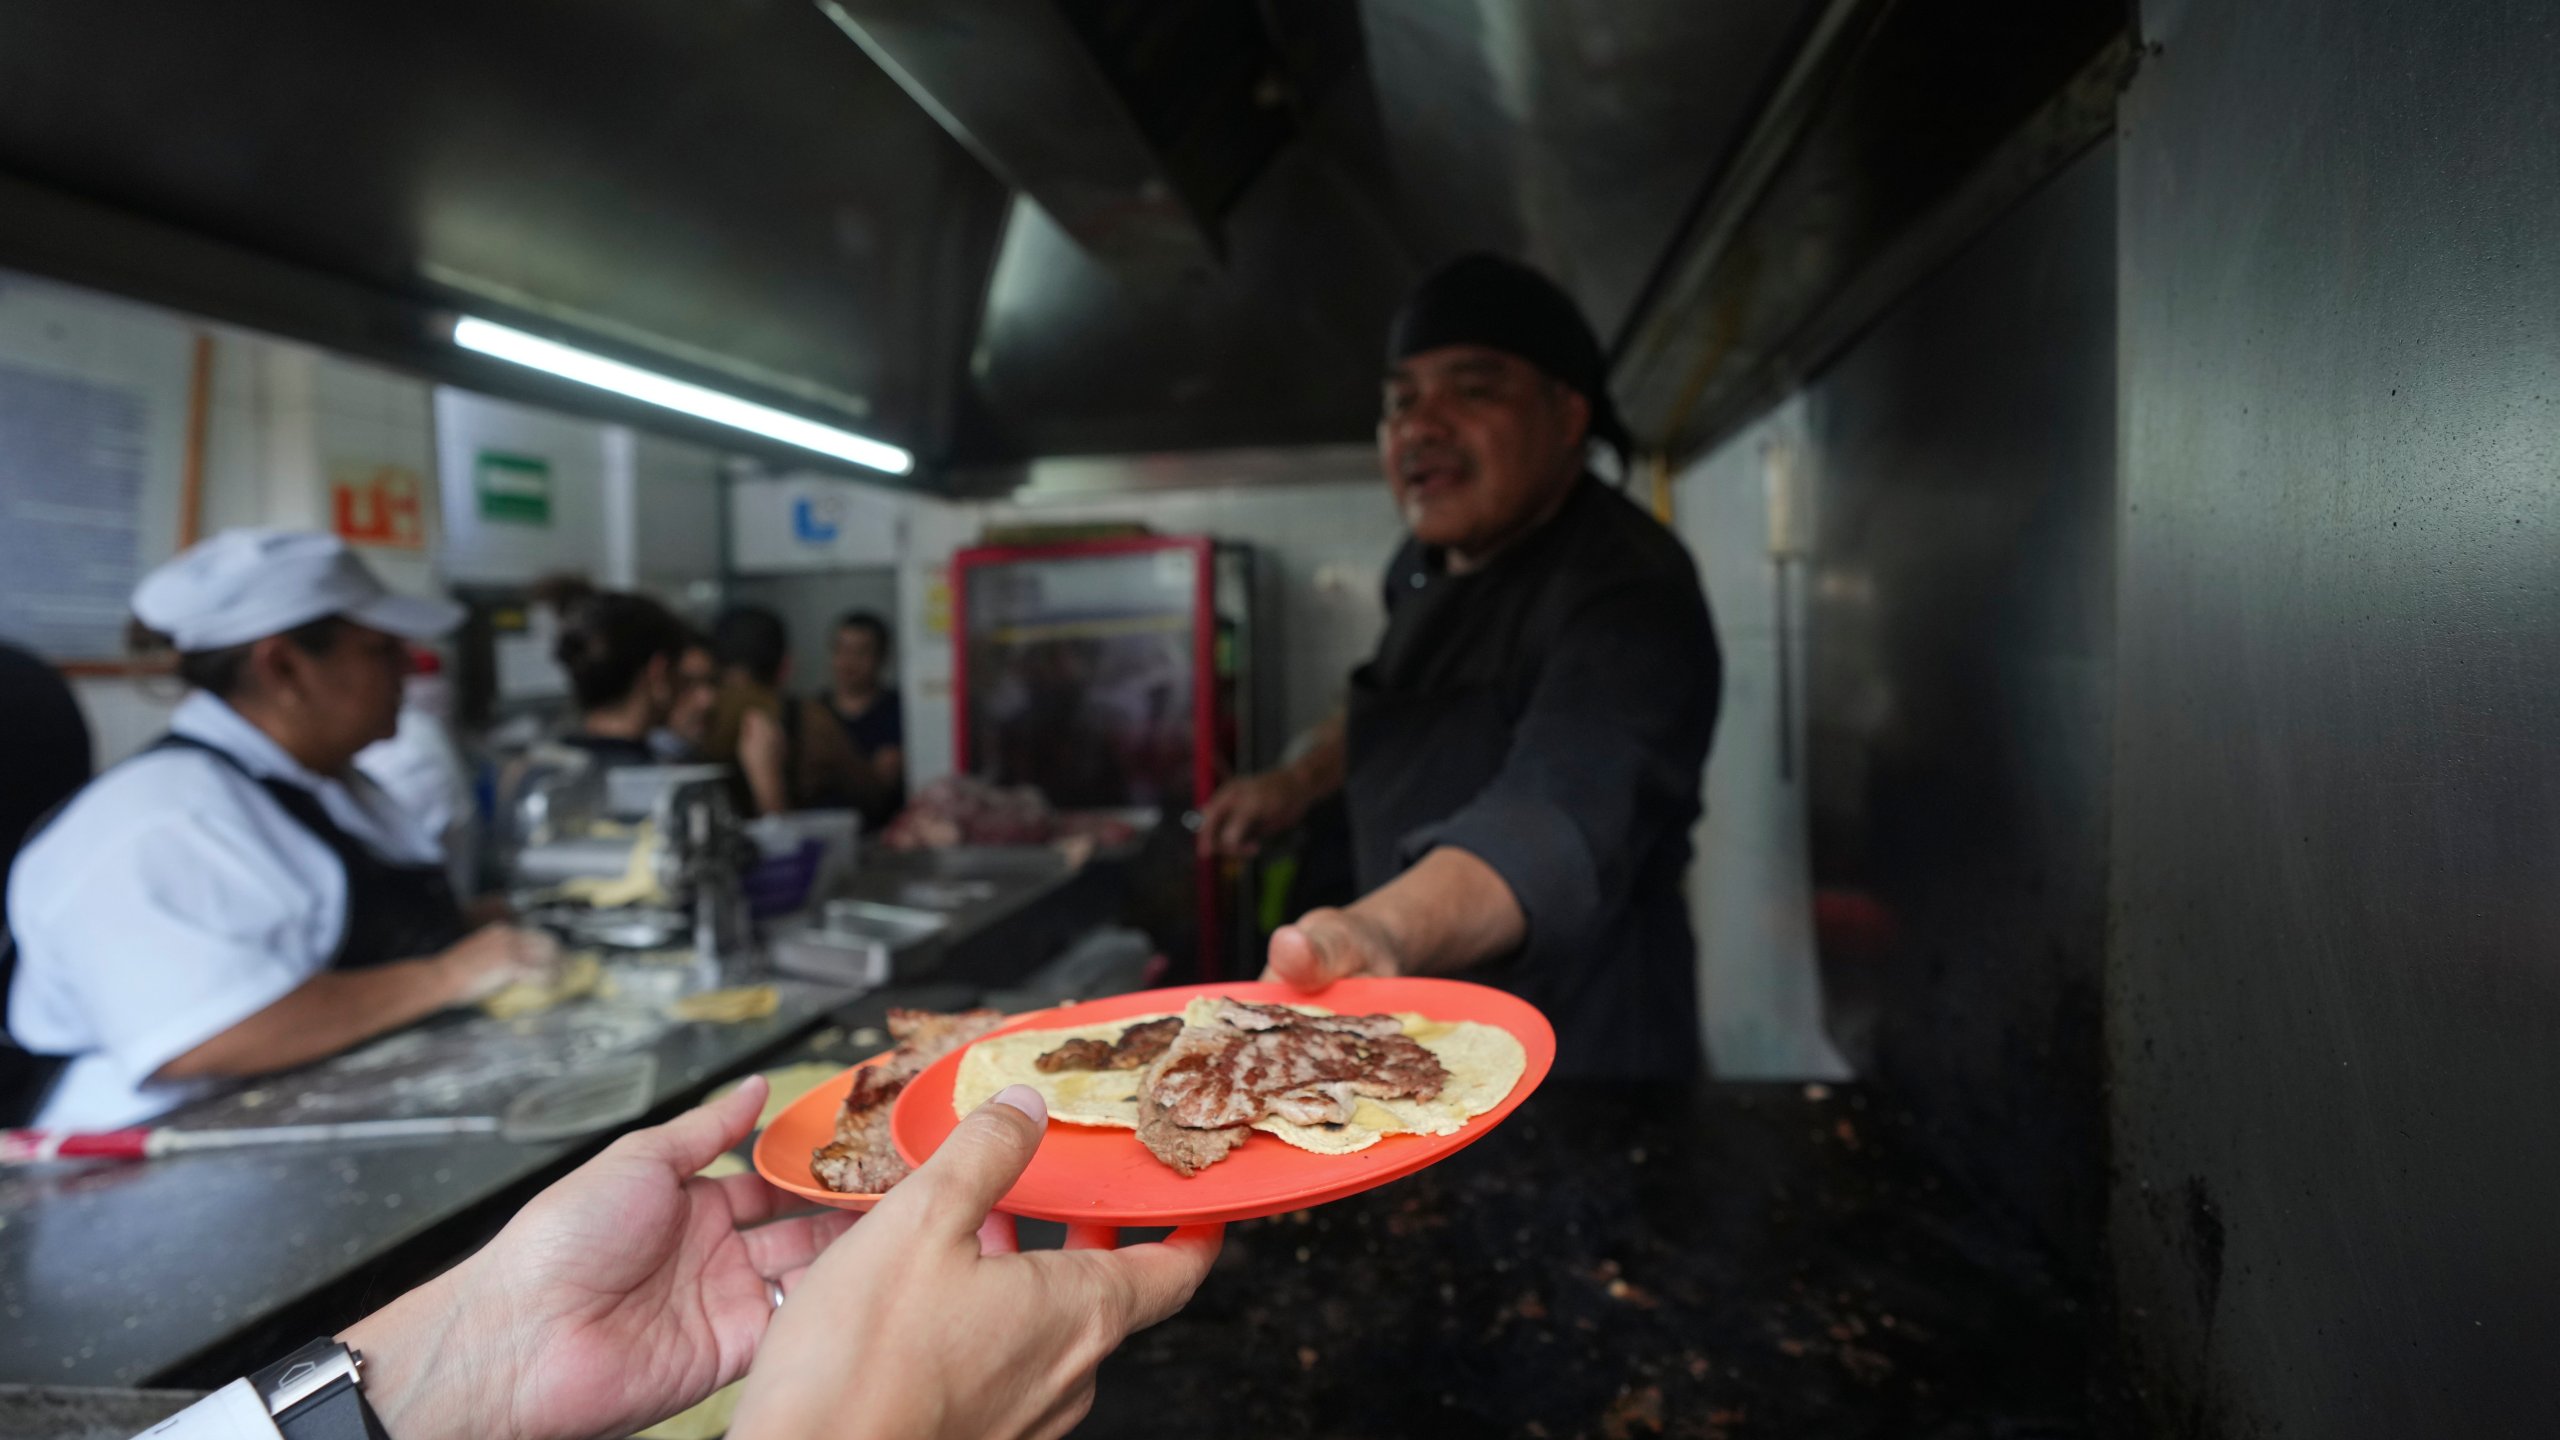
x=394, y=912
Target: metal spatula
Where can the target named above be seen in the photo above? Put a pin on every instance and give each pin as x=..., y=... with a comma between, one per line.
x=614, y=1091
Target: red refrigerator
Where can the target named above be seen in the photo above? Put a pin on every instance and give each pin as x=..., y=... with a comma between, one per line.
x=1110, y=674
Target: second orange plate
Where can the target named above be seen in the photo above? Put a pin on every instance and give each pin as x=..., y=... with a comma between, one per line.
x=1087, y=1174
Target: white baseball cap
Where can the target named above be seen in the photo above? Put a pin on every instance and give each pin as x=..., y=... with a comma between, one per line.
x=245, y=585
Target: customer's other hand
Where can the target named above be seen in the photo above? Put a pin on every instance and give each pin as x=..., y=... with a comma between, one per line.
x=925, y=1322
x=624, y=1293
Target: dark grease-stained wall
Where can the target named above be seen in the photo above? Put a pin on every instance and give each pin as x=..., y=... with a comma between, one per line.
x=2334, y=1005
x=1962, y=460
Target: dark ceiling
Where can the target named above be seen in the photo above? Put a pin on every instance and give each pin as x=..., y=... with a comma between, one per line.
x=715, y=178
x=986, y=231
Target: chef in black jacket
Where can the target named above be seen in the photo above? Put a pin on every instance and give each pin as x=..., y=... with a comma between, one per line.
x=1522, y=757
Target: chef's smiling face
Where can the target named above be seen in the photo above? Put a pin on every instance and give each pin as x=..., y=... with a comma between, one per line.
x=1479, y=446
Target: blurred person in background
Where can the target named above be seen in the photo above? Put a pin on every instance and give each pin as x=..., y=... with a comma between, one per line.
x=752, y=647
x=688, y=724
x=422, y=769
x=621, y=652
x=239, y=898
x=45, y=751
x=783, y=760
x=872, y=715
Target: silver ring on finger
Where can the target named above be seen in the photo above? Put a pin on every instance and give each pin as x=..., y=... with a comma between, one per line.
x=773, y=1292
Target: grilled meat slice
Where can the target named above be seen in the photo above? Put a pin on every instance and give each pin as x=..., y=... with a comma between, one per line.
x=1079, y=1055
x=861, y=1160
x=1329, y=1104
x=1218, y=1075
x=1187, y=1149
x=866, y=1165
x=1136, y=1049
x=1216, y=1079
x=1245, y=1015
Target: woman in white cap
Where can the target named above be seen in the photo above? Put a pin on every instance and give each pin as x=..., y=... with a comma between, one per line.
x=237, y=898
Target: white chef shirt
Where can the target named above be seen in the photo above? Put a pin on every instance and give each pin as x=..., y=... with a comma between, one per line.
x=422, y=771
x=171, y=900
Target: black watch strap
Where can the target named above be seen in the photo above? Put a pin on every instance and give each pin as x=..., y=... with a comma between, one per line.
x=317, y=1393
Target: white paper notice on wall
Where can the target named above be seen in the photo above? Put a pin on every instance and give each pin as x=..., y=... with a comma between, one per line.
x=75, y=476
x=786, y=523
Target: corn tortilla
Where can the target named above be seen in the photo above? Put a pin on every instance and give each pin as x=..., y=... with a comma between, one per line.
x=1079, y=1097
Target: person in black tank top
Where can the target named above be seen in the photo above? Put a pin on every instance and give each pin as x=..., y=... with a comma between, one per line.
x=872, y=716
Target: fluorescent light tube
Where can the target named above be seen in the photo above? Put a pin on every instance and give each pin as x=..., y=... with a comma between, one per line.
x=552, y=357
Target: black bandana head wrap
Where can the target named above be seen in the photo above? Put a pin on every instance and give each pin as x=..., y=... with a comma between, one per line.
x=1504, y=305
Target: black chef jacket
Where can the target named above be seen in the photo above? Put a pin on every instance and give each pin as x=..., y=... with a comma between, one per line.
x=1550, y=714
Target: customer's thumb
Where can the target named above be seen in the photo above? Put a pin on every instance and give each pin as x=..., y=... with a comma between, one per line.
x=976, y=1163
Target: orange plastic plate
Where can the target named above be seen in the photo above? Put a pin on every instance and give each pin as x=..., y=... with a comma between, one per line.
x=782, y=1151
x=1102, y=1176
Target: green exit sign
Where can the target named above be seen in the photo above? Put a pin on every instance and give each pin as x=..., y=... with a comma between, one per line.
x=513, y=488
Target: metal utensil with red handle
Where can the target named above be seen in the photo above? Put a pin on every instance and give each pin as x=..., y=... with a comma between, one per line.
x=612, y=1091
x=144, y=1142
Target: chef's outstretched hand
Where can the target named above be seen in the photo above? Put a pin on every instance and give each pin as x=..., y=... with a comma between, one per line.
x=1328, y=945
x=1447, y=911
x=627, y=1291
x=926, y=1323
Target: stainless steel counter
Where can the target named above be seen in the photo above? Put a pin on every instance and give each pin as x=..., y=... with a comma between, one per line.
x=115, y=1273
x=189, y=1269
x=1006, y=907
x=39, y=1412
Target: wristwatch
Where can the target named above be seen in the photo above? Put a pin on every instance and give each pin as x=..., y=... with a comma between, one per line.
x=317, y=1393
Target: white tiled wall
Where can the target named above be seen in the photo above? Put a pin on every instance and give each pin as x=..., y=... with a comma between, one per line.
x=1750, y=888
x=934, y=531
x=580, y=534
x=366, y=417
x=675, y=542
